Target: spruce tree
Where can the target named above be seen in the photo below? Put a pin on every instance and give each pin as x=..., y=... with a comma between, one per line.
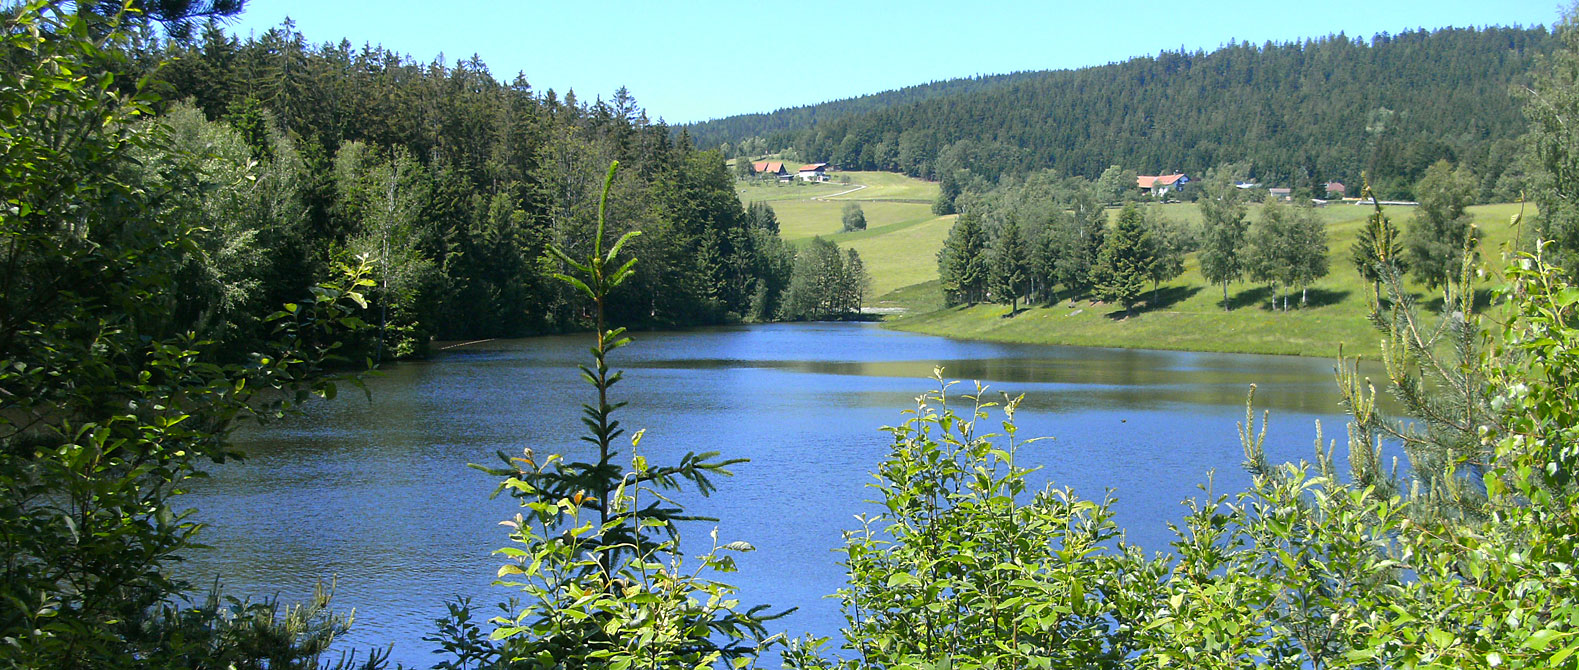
x=1378, y=244
x=761, y=216
x=1122, y=267
x=1047, y=248
x=962, y=262
x=1010, y=266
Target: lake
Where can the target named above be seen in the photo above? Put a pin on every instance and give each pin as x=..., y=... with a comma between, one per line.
x=378, y=496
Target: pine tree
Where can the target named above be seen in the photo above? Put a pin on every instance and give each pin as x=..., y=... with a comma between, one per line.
x=1122, y=267
x=1010, y=266
x=1378, y=244
x=962, y=262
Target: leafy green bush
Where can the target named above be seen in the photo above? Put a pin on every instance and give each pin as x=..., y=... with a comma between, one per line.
x=110, y=400
x=596, y=552
x=1308, y=568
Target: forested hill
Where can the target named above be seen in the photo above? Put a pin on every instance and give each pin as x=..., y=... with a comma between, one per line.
x=1315, y=110
x=734, y=129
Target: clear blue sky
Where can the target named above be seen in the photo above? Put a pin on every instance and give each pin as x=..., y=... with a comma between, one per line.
x=691, y=61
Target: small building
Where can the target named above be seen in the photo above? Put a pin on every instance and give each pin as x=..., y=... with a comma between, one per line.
x=765, y=168
x=1335, y=189
x=817, y=172
x=1159, y=185
x=1281, y=193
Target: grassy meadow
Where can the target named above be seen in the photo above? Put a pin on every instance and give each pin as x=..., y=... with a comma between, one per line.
x=903, y=236
x=1188, y=314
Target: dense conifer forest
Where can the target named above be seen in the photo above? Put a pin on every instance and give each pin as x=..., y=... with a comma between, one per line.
x=455, y=182
x=1300, y=113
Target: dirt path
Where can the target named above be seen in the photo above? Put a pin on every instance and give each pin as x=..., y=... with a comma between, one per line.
x=829, y=197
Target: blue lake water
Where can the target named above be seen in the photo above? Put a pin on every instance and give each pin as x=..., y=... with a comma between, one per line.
x=378, y=496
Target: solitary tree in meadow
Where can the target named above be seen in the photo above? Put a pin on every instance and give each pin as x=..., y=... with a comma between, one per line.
x=854, y=218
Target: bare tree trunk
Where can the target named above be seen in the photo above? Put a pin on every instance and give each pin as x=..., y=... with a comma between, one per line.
x=1225, y=297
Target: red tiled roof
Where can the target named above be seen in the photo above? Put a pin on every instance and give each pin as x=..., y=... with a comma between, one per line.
x=1148, y=181
x=812, y=167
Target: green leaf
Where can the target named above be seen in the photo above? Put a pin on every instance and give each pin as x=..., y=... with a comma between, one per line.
x=901, y=579
x=1563, y=654
x=1541, y=639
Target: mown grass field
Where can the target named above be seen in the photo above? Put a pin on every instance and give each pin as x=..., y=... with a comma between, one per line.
x=1189, y=314
x=900, y=244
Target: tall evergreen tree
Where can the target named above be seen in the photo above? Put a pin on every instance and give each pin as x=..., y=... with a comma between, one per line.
x=962, y=262
x=1126, y=258
x=760, y=215
x=1048, y=245
x=1011, y=260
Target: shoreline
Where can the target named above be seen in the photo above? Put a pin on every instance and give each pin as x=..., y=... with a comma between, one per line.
x=1191, y=332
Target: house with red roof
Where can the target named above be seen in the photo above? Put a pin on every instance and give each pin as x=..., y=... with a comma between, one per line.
x=774, y=168
x=814, y=172
x=1161, y=184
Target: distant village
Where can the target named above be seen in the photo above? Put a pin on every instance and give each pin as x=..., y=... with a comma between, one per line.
x=1159, y=186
